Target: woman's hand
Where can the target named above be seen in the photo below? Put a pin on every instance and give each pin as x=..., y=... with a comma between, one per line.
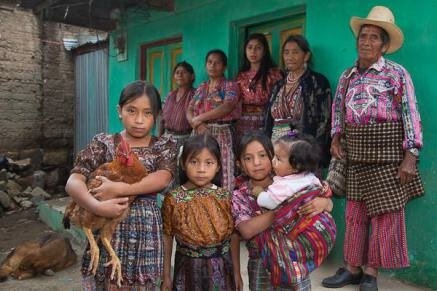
x=315, y=206
x=111, y=208
x=336, y=150
x=195, y=122
x=202, y=129
x=166, y=284
x=407, y=169
x=108, y=189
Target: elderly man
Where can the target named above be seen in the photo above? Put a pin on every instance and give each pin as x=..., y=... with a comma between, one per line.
x=375, y=110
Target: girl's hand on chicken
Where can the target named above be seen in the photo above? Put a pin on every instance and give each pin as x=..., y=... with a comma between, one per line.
x=108, y=189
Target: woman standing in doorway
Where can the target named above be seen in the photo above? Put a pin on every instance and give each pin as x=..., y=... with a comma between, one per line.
x=255, y=80
x=302, y=100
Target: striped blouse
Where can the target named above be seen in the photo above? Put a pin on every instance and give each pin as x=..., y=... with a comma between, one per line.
x=174, y=113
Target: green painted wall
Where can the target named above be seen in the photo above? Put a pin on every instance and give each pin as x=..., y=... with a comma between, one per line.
x=206, y=24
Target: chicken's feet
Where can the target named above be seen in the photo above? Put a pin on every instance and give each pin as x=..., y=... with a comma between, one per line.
x=94, y=251
x=114, y=262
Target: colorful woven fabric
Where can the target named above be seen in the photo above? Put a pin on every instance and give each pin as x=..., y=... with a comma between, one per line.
x=174, y=112
x=259, y=279
x=137, y=240
x=198, y=217
x=296, y=245
x=225, y=92
x=254, y=99
x=199, y=274
x=385, y=247
x=383, y=93
x=308, y=109
x=223, y=134
x=89, y=283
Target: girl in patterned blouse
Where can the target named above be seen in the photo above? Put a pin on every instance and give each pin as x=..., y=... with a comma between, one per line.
x=137, y=240
x=198, y=215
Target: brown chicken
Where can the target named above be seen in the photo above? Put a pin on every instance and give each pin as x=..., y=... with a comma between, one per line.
x=49, y=254
x=127, y=168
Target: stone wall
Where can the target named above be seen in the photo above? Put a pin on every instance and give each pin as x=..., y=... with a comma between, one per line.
x=20, y=78
x=37, y=90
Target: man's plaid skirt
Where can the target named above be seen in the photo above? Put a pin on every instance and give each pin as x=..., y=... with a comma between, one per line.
x=374, y=153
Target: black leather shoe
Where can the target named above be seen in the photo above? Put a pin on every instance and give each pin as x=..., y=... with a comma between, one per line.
x=368, y=283
x=342, y=278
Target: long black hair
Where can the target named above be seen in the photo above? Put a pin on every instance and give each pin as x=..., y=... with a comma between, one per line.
x=266, y=62
x=137, y=89
x=195, y=145
x=256, y=135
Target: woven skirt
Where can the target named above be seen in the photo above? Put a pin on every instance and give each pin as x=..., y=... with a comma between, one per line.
x=137, y=241
x=222, y=133
x=203, y=269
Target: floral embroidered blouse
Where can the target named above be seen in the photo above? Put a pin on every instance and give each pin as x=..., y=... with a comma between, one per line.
x=383, y=93
x=225, y=92
x=198, y=217
x=159, y=155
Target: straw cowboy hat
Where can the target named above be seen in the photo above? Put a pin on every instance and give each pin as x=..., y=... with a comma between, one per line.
x=383, y=17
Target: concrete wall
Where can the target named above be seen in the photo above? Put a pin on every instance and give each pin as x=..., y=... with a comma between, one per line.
x=206, y=24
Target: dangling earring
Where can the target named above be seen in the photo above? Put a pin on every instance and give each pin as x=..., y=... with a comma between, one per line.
x=305, y=65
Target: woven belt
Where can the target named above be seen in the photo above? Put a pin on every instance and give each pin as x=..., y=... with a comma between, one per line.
x=204, y=252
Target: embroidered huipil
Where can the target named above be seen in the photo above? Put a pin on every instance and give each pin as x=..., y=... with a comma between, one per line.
x=225, y=91
x=254, y=99
x=383, y=93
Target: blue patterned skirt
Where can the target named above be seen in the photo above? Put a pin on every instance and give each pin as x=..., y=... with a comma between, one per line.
x=203, y=269
x=137, y=241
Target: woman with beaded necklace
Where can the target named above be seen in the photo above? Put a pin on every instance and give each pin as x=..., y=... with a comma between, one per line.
x=301, y=101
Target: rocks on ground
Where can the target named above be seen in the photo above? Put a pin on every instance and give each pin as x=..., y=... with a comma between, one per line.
x=31, y=175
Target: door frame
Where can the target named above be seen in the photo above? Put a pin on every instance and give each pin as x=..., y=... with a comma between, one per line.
x=143, y=52
x=238, y=30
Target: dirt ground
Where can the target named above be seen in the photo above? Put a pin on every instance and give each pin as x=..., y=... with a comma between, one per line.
x=20, y=226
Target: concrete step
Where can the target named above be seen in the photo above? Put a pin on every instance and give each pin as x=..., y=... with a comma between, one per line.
x=51, y=213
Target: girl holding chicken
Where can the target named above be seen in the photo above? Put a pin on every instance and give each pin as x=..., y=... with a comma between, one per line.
x=137, y=240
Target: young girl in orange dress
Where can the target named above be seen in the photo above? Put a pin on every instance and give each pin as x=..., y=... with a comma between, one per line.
x=198, y=215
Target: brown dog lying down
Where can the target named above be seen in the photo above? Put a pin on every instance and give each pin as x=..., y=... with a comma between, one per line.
x=50, y=253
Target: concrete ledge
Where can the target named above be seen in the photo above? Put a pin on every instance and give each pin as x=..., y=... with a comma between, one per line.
x=51, y=213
